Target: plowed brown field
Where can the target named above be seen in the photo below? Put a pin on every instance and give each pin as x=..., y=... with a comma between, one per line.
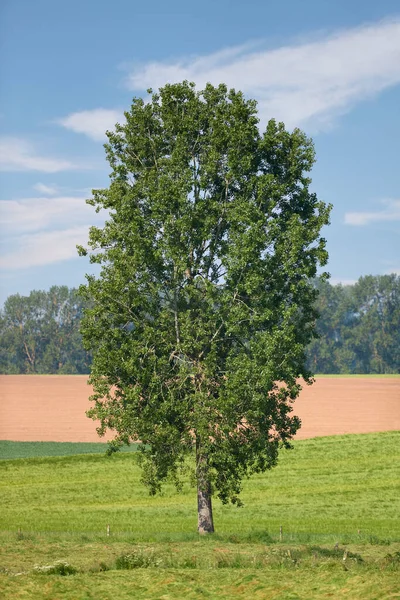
x=52, y=407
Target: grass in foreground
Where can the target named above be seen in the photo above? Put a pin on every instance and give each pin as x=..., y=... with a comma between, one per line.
x=36, y=569
x=335, y=498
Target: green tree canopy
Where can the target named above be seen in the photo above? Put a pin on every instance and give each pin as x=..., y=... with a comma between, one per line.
x=39, y=333
x=205, y=302
x=358, y=327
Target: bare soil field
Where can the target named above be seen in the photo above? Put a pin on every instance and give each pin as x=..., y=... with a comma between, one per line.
x=52, y=408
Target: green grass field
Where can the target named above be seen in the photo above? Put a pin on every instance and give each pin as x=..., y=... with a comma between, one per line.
x=330, y=496
x=9, y=450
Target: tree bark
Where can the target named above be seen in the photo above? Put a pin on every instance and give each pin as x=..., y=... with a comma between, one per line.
x=204, y=495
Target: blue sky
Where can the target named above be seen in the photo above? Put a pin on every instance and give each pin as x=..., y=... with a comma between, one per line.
x=68, y=70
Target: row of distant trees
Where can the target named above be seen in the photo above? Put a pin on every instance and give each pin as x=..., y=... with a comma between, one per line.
x=39, y=333
x=359, y=329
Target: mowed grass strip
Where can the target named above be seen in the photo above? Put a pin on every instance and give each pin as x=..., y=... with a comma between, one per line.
x=10, y=450
x=177, y=585
x=341, y=486
x=30, y=569
x=314, y=583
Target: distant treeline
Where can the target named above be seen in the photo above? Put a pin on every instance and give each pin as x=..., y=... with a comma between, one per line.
x=359, y=330
x=39, y=333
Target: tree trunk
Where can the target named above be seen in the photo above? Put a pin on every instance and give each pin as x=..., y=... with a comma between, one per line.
x=204, y=504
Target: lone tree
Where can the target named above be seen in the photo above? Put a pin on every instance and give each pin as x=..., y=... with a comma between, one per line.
x=204, y=305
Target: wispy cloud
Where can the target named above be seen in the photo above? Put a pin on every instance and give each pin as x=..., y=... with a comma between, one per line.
x=304, y=84
x=93, y=123
x=340, y=281
x=40, y=231
x=48, y=190
x=33, y=214
x=390, y=212
x=44, y=248
x=19, y=155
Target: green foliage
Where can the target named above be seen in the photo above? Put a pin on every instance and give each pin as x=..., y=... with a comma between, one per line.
x=359, y=327
x=358, y=332
x=205, y=297
x=39, y=333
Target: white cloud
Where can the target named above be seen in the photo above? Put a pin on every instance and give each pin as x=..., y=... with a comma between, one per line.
x=44, y=248
x=391, y=212
x=93, y=123
x=339, y=280
x=33, y=214
x=393, y=271
x=19, y=155
x=48, y=190
x=304, y=84
x=40, y=231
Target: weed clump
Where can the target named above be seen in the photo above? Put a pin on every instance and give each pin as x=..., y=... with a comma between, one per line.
x=392, y=560
x=60, y=567
x=21, y=536
x=138, y=560
x=99, y=567
x=376, y=541
x=189, y=562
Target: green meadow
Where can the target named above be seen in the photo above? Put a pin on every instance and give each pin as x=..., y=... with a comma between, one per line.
x=323, y=524
x=39, y=449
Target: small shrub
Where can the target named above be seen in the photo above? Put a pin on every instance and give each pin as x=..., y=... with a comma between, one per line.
x=262, y=537
x=392, y=560
x=234, y=539
x=189, y=562
x=24, y=536
x=226, y=561
x=99, y=568
x=137, y=560
x=337, y=552
x=375, y=541
x=60, y=567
